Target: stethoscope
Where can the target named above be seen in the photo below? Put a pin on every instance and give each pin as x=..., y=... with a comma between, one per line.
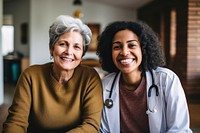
x=109, y=102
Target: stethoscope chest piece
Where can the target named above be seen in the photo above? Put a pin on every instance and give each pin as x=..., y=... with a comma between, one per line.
x=108, y=103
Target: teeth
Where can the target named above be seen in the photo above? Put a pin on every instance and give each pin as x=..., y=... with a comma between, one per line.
x=126, y=61
x=67, y=59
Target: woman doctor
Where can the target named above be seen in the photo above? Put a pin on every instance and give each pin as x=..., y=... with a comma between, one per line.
x=140, y=95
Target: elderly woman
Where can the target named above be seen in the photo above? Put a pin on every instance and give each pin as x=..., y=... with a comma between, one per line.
x=60, y=96
x=140, y=95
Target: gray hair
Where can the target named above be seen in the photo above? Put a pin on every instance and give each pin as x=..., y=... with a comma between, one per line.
x=65, y=23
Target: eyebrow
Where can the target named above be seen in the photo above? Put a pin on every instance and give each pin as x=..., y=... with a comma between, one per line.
x=133, y=41
x=118, y=42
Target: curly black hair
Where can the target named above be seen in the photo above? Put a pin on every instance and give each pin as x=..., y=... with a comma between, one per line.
x=152, y=55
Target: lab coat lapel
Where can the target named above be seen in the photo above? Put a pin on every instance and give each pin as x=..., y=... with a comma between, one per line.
x=113, y=116
x=154, y=102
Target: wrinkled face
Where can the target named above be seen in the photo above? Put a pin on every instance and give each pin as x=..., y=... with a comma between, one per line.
x=126, y=51
x=68, y=51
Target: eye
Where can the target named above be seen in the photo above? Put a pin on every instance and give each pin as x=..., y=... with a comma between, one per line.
x=116, y=46
x=62, y=44
x=77, y=46
x=132, y=45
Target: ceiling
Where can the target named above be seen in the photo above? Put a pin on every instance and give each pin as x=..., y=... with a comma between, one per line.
x=131, y=4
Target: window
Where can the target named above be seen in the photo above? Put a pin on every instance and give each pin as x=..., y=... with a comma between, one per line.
x=173, y=34
x=7, y=32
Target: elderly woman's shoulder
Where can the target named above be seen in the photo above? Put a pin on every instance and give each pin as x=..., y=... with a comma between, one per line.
x=38, y=67
x=86, y=68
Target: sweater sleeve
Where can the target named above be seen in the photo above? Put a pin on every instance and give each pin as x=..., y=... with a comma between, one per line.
x=17, y=120
x=91, y=107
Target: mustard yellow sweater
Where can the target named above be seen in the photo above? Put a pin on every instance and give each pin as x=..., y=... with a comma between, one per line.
x=42, y=105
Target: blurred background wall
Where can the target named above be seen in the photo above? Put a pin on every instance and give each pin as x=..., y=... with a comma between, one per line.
x=177, y=23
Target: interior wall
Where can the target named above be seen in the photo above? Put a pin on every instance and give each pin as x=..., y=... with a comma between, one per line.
x=19, y=9
x=1, y=58
x=39, y=18
x=43, y=16
x=193, y=48
x=186, y=61
x=39, y=15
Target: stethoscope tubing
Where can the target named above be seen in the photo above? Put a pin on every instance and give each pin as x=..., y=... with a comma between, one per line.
x=153, y=85
x=109, y=102
x=113, y=83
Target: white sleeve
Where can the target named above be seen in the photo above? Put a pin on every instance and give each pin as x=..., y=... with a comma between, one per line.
x=177, y=114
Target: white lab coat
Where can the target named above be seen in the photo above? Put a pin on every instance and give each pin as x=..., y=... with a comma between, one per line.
x=172, y=114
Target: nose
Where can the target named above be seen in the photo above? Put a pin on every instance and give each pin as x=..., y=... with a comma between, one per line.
x=125, y=51
x=69, y=50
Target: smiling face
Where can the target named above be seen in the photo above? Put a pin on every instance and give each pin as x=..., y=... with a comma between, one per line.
x=126, y=51
x=68, y=51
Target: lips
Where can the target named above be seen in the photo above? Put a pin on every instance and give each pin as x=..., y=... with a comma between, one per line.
x=126, y=61
x=67, y=59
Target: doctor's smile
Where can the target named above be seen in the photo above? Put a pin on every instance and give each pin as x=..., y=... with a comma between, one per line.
x=126, y=61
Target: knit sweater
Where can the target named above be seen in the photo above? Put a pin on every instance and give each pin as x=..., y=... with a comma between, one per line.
x=42, y=104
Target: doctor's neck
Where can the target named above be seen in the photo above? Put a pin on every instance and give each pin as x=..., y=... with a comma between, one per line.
x=131, y=81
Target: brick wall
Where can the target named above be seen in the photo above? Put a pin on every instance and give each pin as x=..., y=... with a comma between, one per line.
x=193, y=48
x=186, y=62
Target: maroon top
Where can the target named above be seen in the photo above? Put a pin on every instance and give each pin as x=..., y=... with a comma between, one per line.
x=133, y=106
